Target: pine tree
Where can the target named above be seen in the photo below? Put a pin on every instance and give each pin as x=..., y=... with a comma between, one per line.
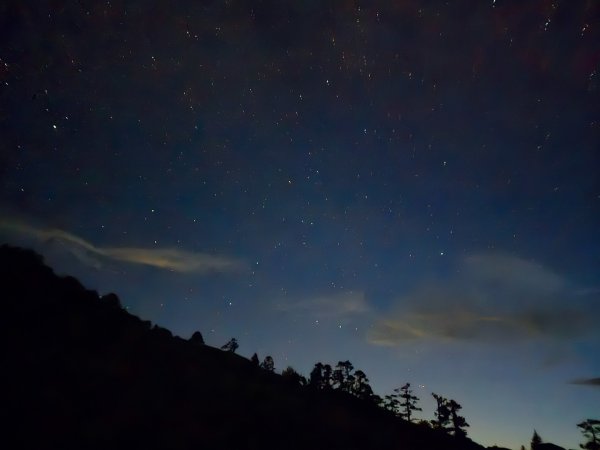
x=231, y=345
x=458, y=422
x=315, y=378
x=361, y=387
x=342, y=376
x=327, y=376
x=591, y=430
x=442, y=412
x=408, y=402
x=268, y=364
x=293, y=377
x=536, y=440
x=254, y=360
x=391, y=403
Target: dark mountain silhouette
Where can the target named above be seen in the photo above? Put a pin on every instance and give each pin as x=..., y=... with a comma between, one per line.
x=83, y=373
x=549, y=446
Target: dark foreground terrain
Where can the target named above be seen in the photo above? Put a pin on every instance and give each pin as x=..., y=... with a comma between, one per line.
x=83, y=373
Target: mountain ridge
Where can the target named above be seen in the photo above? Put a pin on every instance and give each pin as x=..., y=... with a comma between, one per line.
x=85, y=373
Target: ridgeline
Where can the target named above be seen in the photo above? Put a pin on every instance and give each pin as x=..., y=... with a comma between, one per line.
x=81, y=372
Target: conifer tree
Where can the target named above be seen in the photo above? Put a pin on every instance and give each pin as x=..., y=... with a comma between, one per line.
x=361, y=387
x=408, y=402
x=442, y=412
x=268, y=364
x=231, y=345
x=315, y=378
x=342, y=376
x=591, y=430
x=289, y=374
x=536, y=440
x=458, y=422
x=327, y=376
x=391, y=403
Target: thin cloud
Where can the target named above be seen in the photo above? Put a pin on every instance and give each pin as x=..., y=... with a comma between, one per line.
x=468, y=325
x=166, y=258
x=495, y=298
x=587, y=381
x=174, y=259
x=339, y=305
x=508, y=270
x=463, y=325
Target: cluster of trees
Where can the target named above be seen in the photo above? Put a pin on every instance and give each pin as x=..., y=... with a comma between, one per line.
x=402, y=402
x=93, y=335
x=268, y=363
x=590, y=429
x=447, y=416
x=342, y=377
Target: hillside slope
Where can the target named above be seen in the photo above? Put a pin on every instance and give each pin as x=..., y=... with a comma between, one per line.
x=81, y=372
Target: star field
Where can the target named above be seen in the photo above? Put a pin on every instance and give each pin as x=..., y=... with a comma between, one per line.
x=411, y=185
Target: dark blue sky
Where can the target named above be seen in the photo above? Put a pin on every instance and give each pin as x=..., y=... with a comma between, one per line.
x=409, y=185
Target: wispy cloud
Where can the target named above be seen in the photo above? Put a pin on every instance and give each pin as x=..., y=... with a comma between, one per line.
x=587, y=382
x=174, y=259
x=164, y=258
x=337, y=305
x=510, y=271
x=493, y=298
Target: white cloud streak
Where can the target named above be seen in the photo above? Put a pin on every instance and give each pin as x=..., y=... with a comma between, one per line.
x=163, y=258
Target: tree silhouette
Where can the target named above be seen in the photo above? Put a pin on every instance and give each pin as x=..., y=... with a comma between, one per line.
x=391, y=403
x=254, y=360
x=327, y=376
x=289, y=374
x=268, y=364
x=112, y=300
x=408, y=402
x=536, y=440
x=377, y=400
x=219, y=385
x=342, y=376
x=321, y=377
x=197, y=338
x=442, y=412
x=162, y=332
x=316, y=376
x=361, y=387
x=458, y=422
x=231, y=346
x=591, y=431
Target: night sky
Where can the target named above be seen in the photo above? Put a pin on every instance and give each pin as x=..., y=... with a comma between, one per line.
x=410, y=185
